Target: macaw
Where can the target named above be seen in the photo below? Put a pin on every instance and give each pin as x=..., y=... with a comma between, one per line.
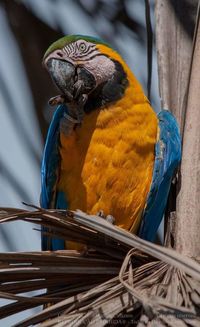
x=107, y=152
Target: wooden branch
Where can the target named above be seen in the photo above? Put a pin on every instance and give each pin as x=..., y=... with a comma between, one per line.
x=188, y=214
x=146, y=283
x=174, y=48
x=179, y=89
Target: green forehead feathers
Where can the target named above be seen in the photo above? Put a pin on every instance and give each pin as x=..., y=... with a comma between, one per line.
x=59, y=44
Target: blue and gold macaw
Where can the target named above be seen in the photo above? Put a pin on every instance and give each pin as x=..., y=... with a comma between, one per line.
x=106, y=149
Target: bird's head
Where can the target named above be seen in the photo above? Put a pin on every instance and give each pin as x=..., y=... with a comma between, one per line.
x=82, y=65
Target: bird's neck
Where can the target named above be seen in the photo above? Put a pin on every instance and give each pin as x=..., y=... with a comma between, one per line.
x=122, y=86
x=126, y=92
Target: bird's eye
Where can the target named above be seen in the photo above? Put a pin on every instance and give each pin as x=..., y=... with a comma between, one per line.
x=82, y=47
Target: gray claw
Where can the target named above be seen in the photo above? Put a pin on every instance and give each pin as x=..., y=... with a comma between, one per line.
x=100, y=213
x=110, y=219
x=58, y=99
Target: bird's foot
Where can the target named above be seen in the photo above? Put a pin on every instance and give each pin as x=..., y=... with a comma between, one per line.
x=108, y=218
x=60, y=99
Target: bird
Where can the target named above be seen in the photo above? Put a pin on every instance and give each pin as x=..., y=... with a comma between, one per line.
x=107, y=152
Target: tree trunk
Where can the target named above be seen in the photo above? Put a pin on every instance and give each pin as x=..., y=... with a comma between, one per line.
x=174, y=35
x=179, y=90
x=188, y=204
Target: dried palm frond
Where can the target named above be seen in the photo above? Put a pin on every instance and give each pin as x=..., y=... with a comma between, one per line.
x=119, y=280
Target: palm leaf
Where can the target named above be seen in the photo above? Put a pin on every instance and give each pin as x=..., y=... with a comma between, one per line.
x=120, y=278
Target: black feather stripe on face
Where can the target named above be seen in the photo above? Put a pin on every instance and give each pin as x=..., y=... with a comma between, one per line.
x=110, y=91
x=74, y=51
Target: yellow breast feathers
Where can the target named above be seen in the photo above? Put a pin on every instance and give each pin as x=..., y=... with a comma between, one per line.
x=107, y=163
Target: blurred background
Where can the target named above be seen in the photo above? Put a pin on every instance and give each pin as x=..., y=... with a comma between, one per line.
x=27, y=28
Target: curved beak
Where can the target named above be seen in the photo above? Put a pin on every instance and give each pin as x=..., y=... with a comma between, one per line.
x=72, y=79
x=63, y=75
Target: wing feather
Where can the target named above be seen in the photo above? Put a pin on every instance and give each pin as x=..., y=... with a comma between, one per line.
x=50, y=198
x=167, y=158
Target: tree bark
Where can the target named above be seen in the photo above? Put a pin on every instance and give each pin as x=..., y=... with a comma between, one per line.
x=187, y=234
x=179, y=89
x=174, y=36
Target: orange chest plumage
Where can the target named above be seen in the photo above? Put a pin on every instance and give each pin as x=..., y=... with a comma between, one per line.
x=107, y=163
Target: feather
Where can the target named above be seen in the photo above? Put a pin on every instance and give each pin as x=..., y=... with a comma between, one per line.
x=49, y=176
x=167, y=158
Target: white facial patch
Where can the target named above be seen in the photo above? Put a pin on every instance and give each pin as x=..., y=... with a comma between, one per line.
x=85, y=54
x=101, y=67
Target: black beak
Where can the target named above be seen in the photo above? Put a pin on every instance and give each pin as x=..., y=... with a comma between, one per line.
x=75, y=83
x=63, y=74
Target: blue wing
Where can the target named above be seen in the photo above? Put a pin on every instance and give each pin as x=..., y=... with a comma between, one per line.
x=167, y=158
x=50, y=198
